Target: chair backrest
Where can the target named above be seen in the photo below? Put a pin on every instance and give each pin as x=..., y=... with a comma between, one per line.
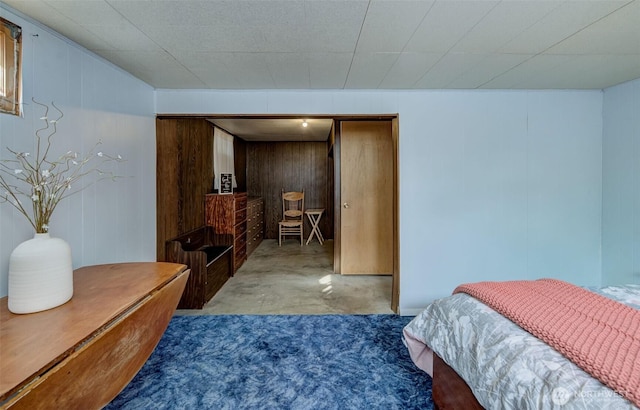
x=292, y=204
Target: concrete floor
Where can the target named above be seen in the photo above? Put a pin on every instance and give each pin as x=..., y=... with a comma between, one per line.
x=294, y=279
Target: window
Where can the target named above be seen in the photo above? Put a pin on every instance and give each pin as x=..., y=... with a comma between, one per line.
x=10, y=53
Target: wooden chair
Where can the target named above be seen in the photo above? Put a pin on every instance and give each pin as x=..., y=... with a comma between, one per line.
x=292, y=222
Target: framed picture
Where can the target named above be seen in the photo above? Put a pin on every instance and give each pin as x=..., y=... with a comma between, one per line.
x=226, y=183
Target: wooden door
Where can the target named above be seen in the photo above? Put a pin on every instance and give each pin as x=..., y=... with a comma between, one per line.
x=366, y=198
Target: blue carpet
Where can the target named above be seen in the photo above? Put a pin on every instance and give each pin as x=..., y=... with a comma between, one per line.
x=280, y=362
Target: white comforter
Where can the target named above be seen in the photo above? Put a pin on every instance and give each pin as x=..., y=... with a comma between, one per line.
x=505, y=366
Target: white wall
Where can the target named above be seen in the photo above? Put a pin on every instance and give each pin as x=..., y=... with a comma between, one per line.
x=493, y=185
x=110, y=222
x=621, y=184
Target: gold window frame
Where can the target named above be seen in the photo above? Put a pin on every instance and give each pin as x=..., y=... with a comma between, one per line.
x=10, y=67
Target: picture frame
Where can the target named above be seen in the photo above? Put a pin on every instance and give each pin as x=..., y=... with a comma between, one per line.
x=226, y=183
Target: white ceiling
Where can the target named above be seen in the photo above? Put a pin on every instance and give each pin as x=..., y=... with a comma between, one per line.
x=356, y=44
x=276, y=129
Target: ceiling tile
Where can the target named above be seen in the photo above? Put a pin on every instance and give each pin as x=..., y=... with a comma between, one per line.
x=532, y=73
x=143, y=65
x=209, y=13
x=210, y=68
x=446, y=23
x=333, y=26
x=369, y=69
x=251, y=70
x=616, y=33
x=141, y=60
x=390, y=24
x=502, y=23
x=171, y=78
x=201, y=38
x=60, y=23
x=492, y=66
x=84, y=37
x=36, y=9
x=288, y=70
x=359, y=44
x=280, y=129
x=592, y=71
x=123, y=37
x=566, y=20
x=334, y=14
x=448, y=69
x=328, y=70
x=408, y=69
x=87, y=12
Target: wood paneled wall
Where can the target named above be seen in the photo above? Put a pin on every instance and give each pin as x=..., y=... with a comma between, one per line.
x=292, y=166
x=184, y=174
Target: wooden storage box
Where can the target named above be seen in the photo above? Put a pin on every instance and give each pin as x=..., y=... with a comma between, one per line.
x=209, y=256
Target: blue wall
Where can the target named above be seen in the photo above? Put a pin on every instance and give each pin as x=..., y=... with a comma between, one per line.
x=494, y=185
x=108, y=222
x=621, y=184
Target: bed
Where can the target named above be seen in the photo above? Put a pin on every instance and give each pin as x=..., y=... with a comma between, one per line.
x=478, y=358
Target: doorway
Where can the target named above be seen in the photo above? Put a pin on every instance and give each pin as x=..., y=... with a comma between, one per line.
x=366, y=199
x=366, y=186
x=177, y=134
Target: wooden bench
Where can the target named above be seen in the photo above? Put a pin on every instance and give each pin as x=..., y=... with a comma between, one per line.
x=210, y=258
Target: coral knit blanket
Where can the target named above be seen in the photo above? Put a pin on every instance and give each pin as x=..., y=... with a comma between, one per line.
x=598, y=334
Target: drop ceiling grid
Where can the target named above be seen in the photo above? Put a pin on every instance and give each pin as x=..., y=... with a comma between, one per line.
x=369, y=69
x=485, y=70
x=408, y=69
x=389, y=25
x=502, y=24
x=616, y=33
x=446, y=24
x=357, y=44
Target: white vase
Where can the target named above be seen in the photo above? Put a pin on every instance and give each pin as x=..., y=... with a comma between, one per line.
x=40, y=274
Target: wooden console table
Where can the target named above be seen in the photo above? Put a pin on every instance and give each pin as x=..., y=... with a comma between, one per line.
x=83, y=353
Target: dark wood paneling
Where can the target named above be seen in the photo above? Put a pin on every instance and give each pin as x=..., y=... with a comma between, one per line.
x=292, y=166
x=166, y=184
x=184, y=172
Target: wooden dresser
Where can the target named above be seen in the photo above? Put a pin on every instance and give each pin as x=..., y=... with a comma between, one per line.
x=227, y=213
x=255, y=223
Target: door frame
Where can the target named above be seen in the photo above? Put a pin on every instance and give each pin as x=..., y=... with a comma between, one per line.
x=335, y=149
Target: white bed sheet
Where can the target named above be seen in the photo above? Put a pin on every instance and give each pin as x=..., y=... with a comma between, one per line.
x=505, y=366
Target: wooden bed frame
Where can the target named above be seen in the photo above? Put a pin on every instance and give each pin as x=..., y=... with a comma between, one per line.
x=82, y=354
x=450, y=391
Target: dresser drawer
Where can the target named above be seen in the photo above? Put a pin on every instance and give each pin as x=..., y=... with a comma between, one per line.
x=240, y=254
x=241, y=215
x=241, y=201
x=240, y=241
x=240, y=229
x=239, y=262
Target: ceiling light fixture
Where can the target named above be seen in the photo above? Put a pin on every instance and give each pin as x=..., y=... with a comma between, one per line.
x=304, y=123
